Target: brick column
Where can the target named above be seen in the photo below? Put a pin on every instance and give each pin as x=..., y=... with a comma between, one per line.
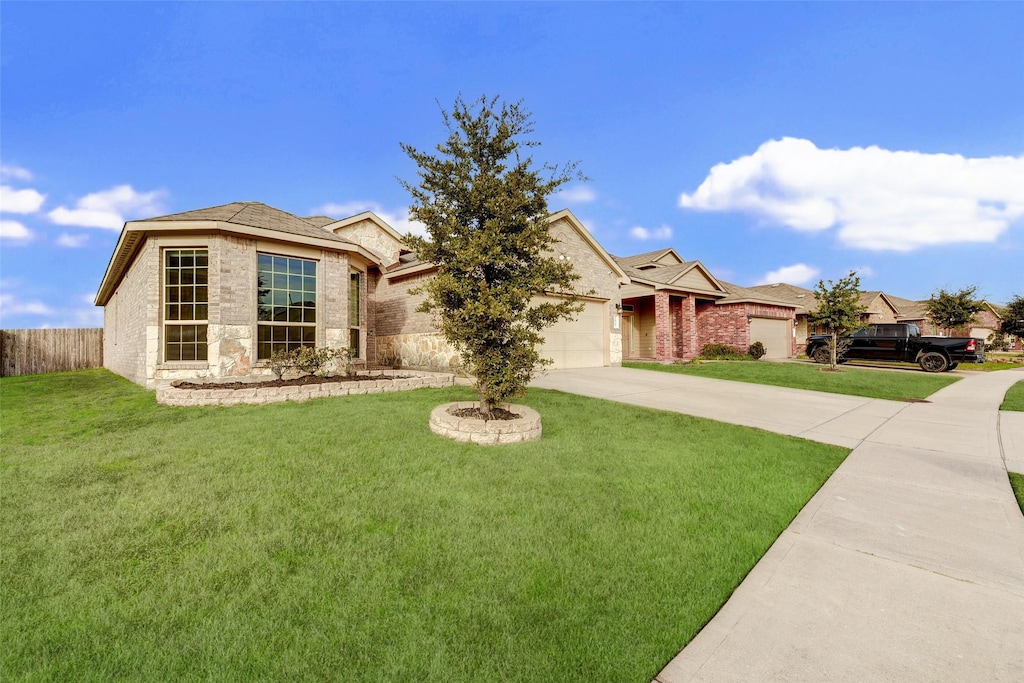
x=688, y=328
x=662, y=327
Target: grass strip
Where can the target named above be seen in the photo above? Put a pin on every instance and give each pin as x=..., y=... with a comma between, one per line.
x=1017, y=482
x=896, y=386
x=1014, y=398
x=339, y=538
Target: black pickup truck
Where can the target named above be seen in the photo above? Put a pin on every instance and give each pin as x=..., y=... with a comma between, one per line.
x=902, y=342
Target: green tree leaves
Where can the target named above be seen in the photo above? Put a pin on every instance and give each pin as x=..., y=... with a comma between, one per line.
x=954, y=310
x=484, y=205
x=839, y=310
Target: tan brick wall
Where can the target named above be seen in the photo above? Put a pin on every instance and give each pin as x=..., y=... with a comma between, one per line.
x=129, y=315
x=401, y=329
x=395, y=308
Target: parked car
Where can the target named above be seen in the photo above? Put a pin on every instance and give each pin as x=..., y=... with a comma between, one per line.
x=901, y=342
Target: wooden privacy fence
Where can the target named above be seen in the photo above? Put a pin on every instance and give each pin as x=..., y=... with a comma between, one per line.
x=30, y=352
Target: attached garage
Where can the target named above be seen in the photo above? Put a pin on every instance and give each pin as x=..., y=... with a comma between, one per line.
x=776, y=335
x=579, y=343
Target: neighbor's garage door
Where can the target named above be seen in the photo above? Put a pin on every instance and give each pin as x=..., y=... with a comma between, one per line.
x=776, y=335
x=578, y=343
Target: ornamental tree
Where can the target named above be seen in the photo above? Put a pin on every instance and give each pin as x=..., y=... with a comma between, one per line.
x=839, y=311
x=954, y=310
x=1013, y=317
x=484, y=205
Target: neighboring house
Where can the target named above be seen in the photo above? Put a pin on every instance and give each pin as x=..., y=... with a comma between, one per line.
x=214, y=292
x=672, y=308
x=879, y=307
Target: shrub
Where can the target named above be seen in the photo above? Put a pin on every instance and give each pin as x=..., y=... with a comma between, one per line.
x=281, y=361
x=756, y=350
x=317, y=361
x=717, y=350
x=997, y=341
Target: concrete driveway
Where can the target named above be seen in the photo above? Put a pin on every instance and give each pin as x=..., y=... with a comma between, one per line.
x=829, y=418
x=907, y=565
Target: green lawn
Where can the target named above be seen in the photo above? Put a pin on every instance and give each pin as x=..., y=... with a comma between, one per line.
x=1017, y=482
x=339, y=539
x=897, y=386
x=1014, y=399
x=990, y=366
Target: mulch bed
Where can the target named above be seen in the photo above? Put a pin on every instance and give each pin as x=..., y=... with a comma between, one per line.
x=295, y=382
x=496, y=414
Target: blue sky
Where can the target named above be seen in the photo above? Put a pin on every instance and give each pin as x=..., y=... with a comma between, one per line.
x=788, y=141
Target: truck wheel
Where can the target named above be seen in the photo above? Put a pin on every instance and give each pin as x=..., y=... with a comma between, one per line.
x=933, y=361
x=821, y=355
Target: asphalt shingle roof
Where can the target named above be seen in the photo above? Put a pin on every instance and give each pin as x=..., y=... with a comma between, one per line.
x=255, y=215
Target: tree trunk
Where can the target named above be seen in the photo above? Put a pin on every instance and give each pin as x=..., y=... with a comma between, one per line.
x=833, y=345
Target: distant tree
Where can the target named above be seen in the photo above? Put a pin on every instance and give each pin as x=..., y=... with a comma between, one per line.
x=1013, y=317
x=839, y=311
x=485, y=209
x=954, y=310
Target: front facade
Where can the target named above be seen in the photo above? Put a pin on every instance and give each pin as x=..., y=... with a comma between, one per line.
x=672, y=308
x=214, y=293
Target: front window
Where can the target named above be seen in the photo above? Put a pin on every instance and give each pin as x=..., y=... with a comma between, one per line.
x=186, y=304
x=354, y=313
x=286, y=314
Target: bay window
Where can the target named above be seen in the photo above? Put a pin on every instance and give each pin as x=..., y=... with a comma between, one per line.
x=185, y=304
x=286, y=308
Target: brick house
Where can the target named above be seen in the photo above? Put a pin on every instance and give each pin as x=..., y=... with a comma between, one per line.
x=879, y=307
x=671, y=308
x=212, y=293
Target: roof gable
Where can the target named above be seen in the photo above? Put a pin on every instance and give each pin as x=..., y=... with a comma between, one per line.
x=578, y=227
x=651, y=259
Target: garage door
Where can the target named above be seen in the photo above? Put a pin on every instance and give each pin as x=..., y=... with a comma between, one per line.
x=776, y=335
x=578, y=343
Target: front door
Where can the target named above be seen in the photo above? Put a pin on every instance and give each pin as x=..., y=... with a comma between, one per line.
x=627, y=336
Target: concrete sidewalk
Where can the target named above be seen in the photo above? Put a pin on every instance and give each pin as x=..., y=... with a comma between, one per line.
x=907, y=565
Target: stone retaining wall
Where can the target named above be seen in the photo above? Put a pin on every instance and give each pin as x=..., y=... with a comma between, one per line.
x=411, y=379
x=487, y=432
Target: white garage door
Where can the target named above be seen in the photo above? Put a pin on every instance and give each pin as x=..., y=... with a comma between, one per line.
x=578, y=343
x=776, y=335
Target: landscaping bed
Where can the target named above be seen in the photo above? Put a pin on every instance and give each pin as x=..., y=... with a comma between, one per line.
x=186, y=393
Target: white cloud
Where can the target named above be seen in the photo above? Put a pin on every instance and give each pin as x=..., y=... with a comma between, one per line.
x=110, y=208
x=574, y=194
x=72, y=241
x=20, y=201
x=641, y=233
x=875, y=198
x=863, y=271
x=796, y=274
x=394, y=218
x=13, y=230
x=16, y=172
x=9, y=305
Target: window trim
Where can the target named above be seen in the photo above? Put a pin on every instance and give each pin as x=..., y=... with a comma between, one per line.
x=166, y=322
x=358, y=328
x=265, y=324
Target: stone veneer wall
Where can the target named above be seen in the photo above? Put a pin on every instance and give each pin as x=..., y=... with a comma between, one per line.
x=174, y=396
x=426, y=351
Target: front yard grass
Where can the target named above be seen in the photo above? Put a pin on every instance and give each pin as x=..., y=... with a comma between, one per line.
x=340, y=539
x=1014, y=398
x=896, y=386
